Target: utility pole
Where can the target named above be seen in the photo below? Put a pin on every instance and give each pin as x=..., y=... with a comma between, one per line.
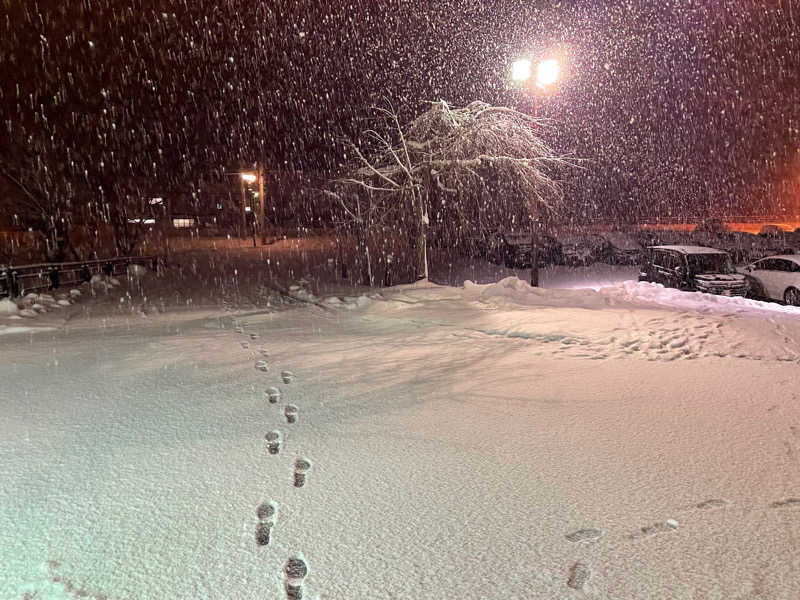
x=261, y=201
x=534, y=215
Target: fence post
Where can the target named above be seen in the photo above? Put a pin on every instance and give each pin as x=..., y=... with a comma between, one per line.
x=108, y=269
x=55, y=278
x=86, y=273
x=13, y=284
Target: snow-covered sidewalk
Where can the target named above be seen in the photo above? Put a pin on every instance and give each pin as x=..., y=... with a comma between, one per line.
x=486, y=442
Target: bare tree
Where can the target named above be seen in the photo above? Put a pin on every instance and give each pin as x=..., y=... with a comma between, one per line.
x=455, y=159
x=40, y=195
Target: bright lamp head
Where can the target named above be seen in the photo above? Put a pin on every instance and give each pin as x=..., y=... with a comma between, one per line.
x=521, y=70
x=547, y=72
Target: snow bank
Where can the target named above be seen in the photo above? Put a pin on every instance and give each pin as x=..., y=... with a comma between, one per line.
x=8, y=307
x=518, y=291
x=630, y=293
x=8, y=330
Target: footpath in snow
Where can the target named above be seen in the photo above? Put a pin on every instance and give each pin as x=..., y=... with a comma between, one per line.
x=489, y=441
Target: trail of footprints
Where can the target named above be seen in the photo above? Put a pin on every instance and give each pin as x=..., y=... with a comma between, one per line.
x=686, y=337
x=580, y=572
x=296, y=567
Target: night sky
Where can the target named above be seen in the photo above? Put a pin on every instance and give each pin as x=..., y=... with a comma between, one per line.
x=675, y=108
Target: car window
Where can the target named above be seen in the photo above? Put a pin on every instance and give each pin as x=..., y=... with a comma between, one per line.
x=766, y=265
x=784, y=265
x=663, y=259
x=711, y=263
x=795, y=267
x=656, y=258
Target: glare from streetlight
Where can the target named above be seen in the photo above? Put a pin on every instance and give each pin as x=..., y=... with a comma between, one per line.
x=547, y=72
x=248, y=177
x=521, y=70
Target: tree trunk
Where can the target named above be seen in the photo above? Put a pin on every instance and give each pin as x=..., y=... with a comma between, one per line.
x=362, y=255
x=58, y=244
x=421, y=232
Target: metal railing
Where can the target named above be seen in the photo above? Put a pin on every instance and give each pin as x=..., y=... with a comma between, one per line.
x=16, y=281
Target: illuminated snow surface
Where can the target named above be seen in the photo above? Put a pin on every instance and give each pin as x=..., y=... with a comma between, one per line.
x=490, y=441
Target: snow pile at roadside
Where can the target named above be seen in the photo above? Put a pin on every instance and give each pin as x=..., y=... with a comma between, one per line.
x=31, y=306
x=8, y=307
x=103, y=283
x=634, y=293
x=300, y=292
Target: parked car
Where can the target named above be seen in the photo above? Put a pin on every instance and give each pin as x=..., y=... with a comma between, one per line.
x=581, y=250
x=771, y=231
x=693, y=268
x=514, y=249
x=775, y=278
x=714, y=226
x=622, y=248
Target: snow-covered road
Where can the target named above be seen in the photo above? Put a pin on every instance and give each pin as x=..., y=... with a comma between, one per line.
x=479, y=443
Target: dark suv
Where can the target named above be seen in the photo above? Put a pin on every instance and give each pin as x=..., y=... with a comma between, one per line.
x=693, y=268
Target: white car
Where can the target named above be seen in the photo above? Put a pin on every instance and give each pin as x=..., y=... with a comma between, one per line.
x=776, y=277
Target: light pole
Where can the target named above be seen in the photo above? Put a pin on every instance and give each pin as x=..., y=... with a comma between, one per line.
x=248, y=177
x=548, y=72
x=245, y=178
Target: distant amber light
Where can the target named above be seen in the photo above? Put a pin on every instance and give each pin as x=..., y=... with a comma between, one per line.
x=249, y=177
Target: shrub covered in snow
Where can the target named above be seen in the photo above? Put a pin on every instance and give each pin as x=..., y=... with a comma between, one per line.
x=8, y=307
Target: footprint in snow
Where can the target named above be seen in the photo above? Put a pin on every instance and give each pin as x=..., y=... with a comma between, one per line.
x=254, y=336
x=785, y=503
x=579, y=574
x=245, y=345
x=291, y=413
x=274, y=439
x=274, y=394
x=711, y=504
x=584, y=535
x=262, y=365
x=301, y=468
x=661, y=527
x=267, y=515
x=287, y=376
x=296, y=570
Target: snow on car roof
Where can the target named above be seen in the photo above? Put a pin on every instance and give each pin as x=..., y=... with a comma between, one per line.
x=792, y=257
x=691, y=249
x=621, y=240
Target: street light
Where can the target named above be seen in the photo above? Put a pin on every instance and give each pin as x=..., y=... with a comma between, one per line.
x=246, y=178
x=547, y=73
x=521, y=70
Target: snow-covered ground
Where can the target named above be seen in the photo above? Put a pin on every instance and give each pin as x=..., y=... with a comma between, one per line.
x=477, y=442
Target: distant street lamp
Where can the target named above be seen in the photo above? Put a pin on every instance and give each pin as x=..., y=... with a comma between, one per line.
x=548, y=71
x=247, y=177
